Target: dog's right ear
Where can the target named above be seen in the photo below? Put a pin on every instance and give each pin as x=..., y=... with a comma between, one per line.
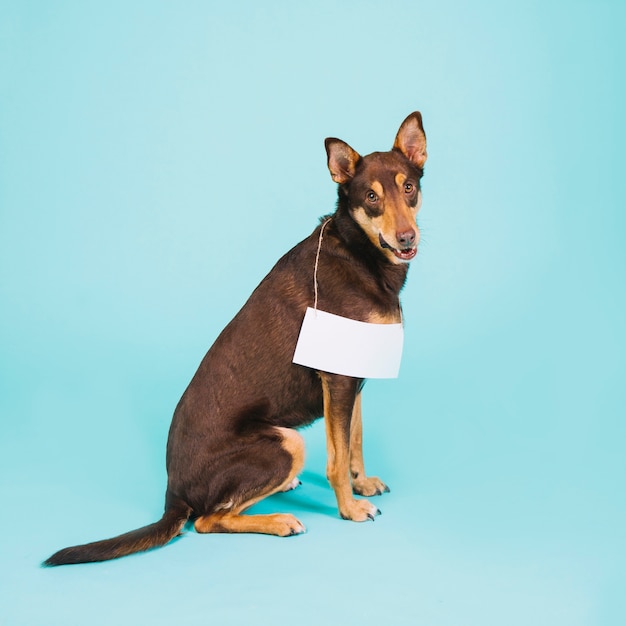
x=342, y=160
x=411, y=139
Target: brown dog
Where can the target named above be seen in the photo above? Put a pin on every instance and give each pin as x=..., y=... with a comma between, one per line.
x=233, y=441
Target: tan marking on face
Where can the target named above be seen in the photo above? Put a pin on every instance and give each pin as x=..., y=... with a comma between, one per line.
x=387, y=226
x=400, y=179
x=378, y=189
x=371, y=226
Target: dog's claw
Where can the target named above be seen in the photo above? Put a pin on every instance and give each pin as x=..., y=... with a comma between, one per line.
x=294, y=484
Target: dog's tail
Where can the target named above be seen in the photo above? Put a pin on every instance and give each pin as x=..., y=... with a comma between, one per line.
x=152, y=536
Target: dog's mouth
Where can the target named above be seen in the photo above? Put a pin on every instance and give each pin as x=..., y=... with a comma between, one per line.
x=406, y=254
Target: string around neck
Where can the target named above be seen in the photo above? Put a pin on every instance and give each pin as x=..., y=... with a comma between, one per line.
x=317, y=260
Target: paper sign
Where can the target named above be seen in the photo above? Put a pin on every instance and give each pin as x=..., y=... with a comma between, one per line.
x=339, y=345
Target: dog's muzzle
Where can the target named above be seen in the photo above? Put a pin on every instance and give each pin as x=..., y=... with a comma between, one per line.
x=404, y=254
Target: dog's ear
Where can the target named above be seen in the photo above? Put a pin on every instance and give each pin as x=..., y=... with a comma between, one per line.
x=411, y=139
x=342, y=160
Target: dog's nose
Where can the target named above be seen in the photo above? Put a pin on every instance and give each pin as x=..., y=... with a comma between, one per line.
x=406, y=238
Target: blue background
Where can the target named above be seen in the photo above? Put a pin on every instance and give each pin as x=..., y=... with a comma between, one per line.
x=139, y=139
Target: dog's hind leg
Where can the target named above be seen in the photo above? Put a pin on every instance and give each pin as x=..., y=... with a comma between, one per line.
x=361, y=484
x=279, y=524
x=229, y=518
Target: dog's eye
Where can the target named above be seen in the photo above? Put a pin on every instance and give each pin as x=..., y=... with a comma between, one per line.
x=371, y=196
x=409, y=187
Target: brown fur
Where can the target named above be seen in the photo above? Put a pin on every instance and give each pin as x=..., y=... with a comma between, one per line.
x=232, y=440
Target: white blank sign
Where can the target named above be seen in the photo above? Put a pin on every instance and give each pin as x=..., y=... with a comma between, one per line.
x=339, y=345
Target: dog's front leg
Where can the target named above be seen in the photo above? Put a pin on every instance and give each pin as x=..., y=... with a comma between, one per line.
x=340, y=394
x=361, y=484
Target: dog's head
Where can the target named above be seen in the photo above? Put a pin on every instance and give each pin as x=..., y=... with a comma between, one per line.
x=382, y=189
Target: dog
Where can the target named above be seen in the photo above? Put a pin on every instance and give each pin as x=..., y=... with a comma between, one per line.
x=233, y=439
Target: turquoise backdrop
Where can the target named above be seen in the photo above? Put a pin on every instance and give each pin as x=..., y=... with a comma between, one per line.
x=137, y=136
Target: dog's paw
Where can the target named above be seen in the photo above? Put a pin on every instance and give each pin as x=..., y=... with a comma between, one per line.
x=294, y=484
x=359, y=511
x=286, y=525
x=369, y=486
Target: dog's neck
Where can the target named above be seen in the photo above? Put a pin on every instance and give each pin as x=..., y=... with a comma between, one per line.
x=390, y=276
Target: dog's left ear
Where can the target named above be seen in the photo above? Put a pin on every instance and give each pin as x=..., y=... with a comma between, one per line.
x=411, y=139
x=342, y=160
